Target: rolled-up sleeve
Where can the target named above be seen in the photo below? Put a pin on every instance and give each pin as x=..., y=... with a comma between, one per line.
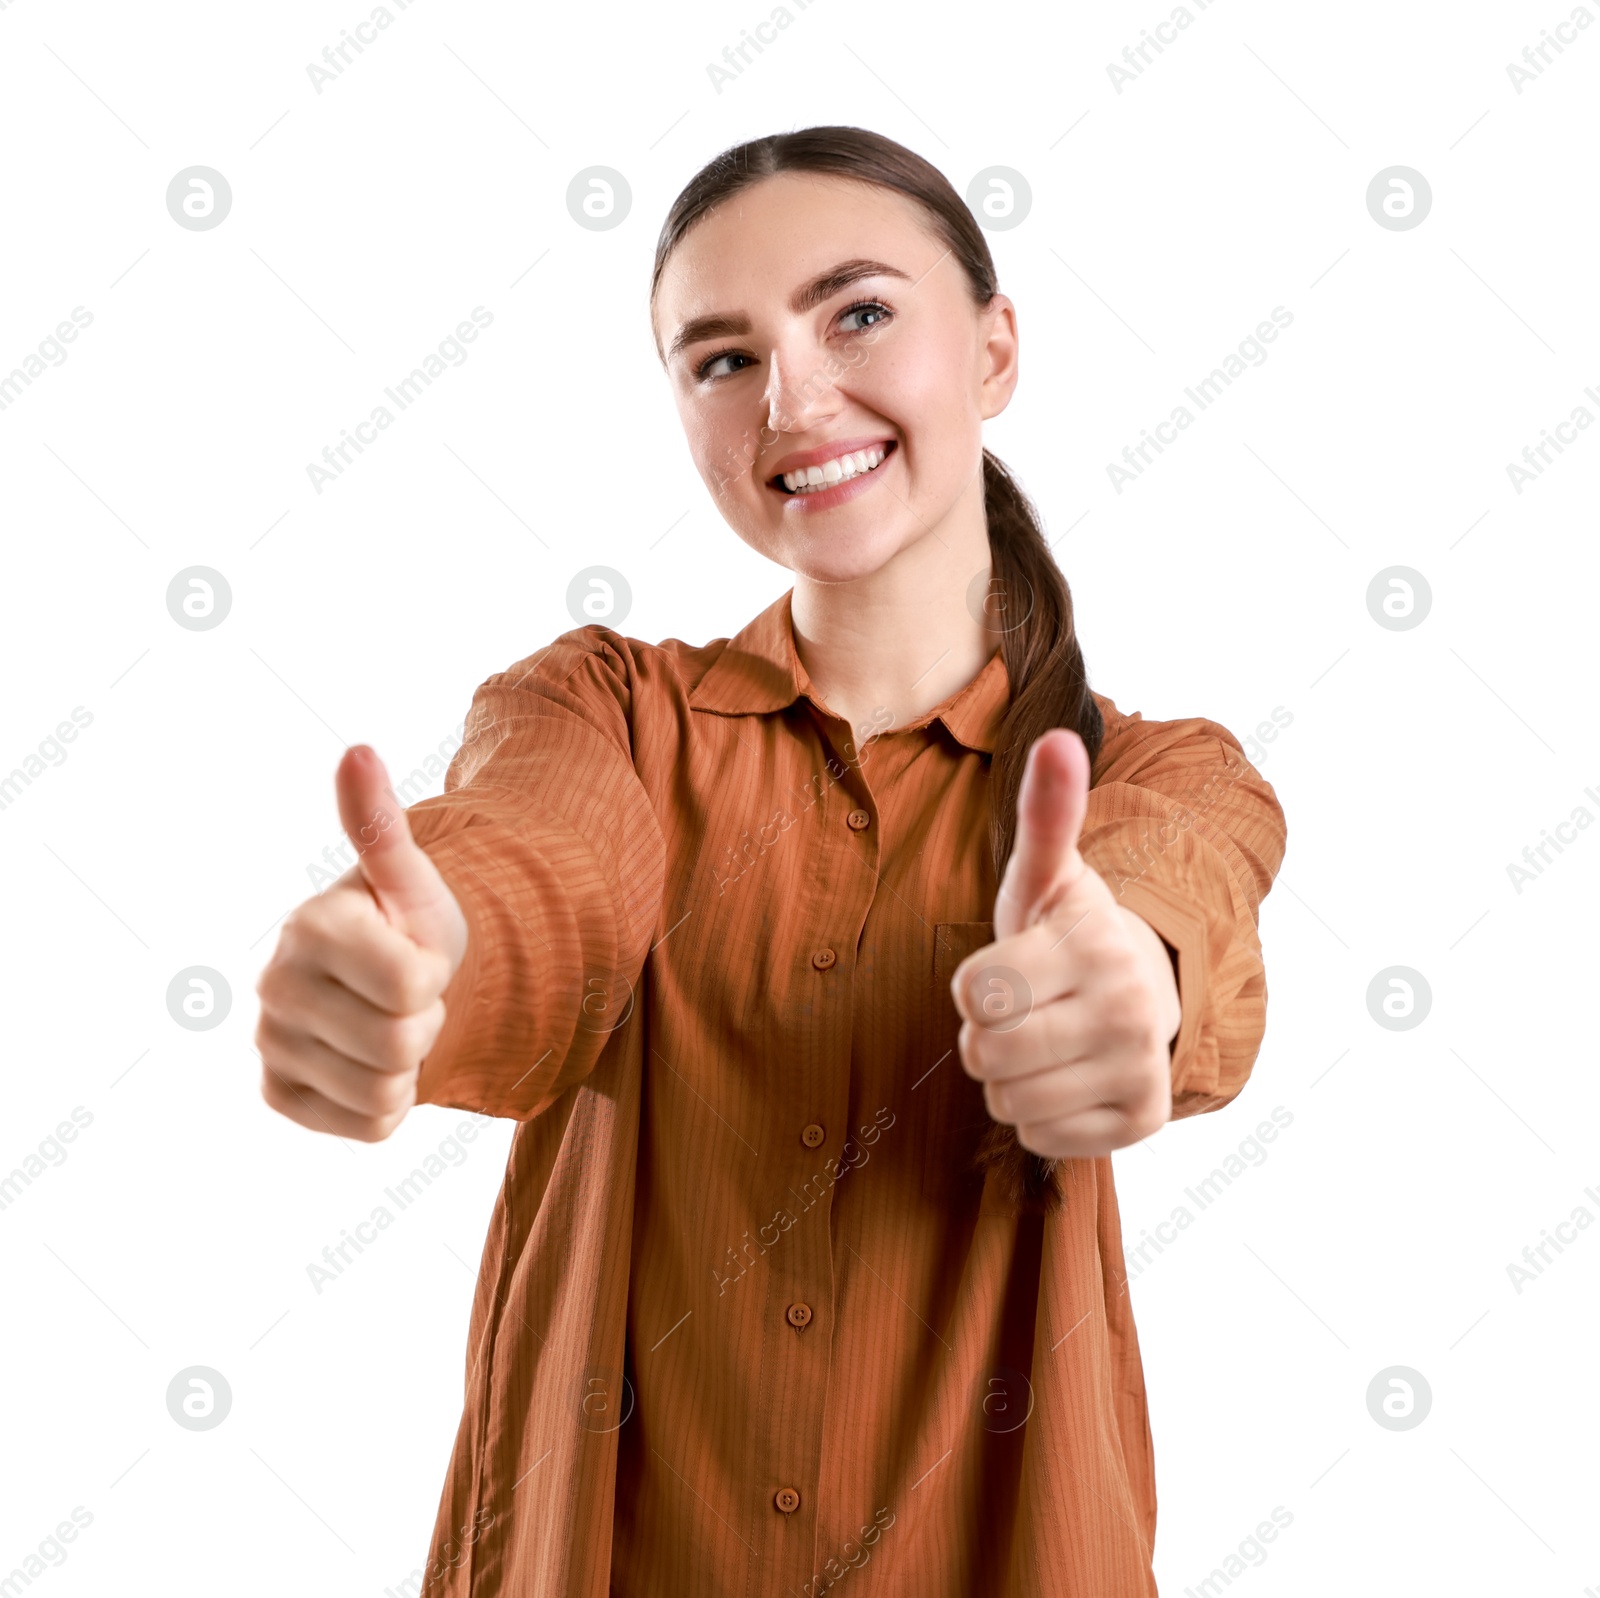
x=549, y=841
x=1190, y=836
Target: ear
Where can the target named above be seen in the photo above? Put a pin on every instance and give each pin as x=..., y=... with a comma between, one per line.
x=997, y=342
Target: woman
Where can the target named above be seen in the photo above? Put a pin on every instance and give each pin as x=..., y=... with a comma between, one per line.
x=820, y=979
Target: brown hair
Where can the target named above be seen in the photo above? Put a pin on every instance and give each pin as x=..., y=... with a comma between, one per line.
x=1049, y=687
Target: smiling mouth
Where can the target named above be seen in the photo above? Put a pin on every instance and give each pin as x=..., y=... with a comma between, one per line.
x=842, y=469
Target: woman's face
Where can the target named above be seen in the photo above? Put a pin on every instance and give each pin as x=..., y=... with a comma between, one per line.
x=813, y=322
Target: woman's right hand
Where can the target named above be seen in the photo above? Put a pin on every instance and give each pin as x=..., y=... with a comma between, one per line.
x=350, y=1001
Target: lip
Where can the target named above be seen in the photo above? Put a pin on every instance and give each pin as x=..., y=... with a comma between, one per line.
x=840, y=493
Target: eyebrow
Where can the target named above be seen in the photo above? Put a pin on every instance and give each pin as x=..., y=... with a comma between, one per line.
x=809, y=295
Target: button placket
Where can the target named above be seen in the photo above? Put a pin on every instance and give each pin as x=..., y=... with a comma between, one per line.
x=840, y=889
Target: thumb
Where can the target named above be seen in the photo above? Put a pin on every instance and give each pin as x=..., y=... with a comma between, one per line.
x=1051, y=805
x=413, y=896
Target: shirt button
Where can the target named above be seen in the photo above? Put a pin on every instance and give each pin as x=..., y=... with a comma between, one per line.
x=799, y=1314
x=787, y=1499
x=813, y=1136
x=858, y=820
x=823, y=958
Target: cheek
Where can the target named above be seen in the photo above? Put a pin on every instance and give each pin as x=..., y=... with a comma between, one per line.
x=721, y=448
x=920, y=387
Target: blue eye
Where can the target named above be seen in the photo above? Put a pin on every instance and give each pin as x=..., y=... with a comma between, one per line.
x=703, y=372
x=863, y=306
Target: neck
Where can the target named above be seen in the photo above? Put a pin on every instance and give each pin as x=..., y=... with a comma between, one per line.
x=903, y=638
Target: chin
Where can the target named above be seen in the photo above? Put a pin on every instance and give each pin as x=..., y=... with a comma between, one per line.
x=840, y=557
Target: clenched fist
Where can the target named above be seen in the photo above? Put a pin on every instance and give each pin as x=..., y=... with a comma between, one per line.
x=1068, y=1016
x=350, y=999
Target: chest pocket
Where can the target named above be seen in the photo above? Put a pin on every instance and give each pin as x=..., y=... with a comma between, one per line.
x=951, y=1115
x=953, y=941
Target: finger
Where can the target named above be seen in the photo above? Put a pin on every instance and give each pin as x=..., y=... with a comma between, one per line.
x=1060, y=1090
x=317, y=1113
x=316, y=1005
x=1064, y=1033
x=1052, y=959
x=345, y=934
x=402, y=878
x=1088, y=1135
x=1051, y=805
x=304, y=1061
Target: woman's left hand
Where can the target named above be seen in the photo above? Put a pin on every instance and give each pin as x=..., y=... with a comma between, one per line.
x=1069, y=1015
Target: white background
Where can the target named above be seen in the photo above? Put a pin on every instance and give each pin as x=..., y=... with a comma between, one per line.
x=1167, y=220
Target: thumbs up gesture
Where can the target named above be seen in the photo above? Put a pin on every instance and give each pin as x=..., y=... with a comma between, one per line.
x=1067, y=1017
x=350, y=1000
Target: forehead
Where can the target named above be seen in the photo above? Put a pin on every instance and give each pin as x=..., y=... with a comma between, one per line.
x=758, y=245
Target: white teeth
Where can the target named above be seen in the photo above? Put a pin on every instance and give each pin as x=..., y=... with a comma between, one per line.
x=839, y=470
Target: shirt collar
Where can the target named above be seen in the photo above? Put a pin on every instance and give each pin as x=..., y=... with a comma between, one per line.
x=760, y=671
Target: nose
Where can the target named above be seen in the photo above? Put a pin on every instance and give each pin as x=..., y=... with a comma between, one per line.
x=799, y=394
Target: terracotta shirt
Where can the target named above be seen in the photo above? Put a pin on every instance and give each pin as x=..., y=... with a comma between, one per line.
x=747, y=1320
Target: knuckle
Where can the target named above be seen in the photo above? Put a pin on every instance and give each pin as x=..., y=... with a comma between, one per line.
x=978, y=1053
x=1125, y=1009
x=275, y=1091
x=398, y=1042
x=415, y=983
x=296, y=934
x=395, y=1095
x=1148, y=1115
x=1028, y=1137
x=265, y=1040
x=269, y=982
x=387, y=1040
